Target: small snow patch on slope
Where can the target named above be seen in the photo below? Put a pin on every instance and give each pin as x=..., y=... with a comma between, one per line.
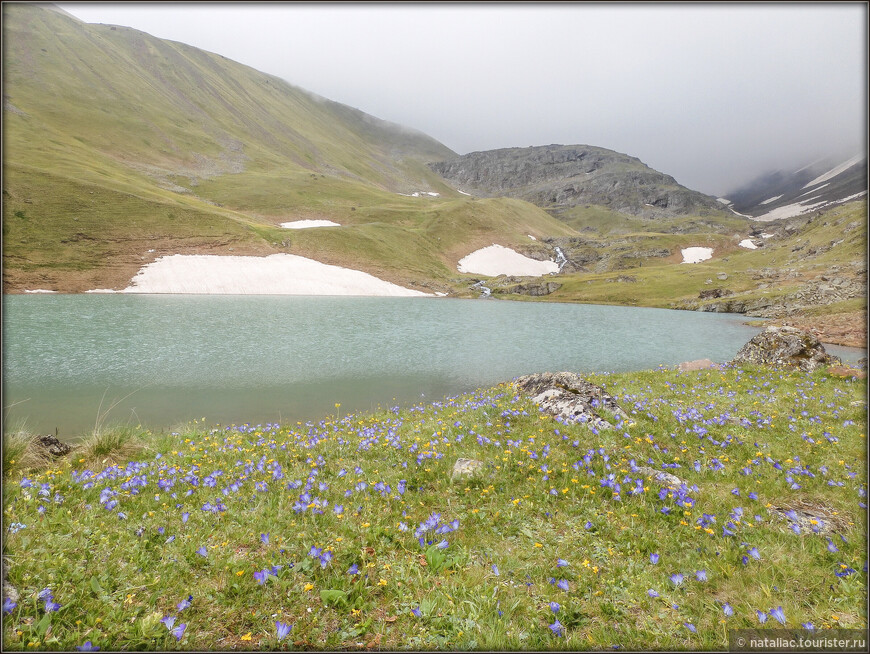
x=696, y=254
x=773, y=199
x=305, y=224
x=748, y=244
x=497, y=260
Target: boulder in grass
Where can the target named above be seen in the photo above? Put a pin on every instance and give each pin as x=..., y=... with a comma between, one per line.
x=465, y=467
x=568, y=396
x=785, y=346
x=661, y=476
x=53, y=446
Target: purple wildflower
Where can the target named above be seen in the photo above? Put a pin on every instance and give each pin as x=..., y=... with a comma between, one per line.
x=88, y=647
x=202, y=551
x=183, y=604
x=701, y=575
x=554, y=607
x=8, y=605
x=563, y=584
x=495, y=569
x=677, y=578
x=690, y=627
x=778, y=614
x=762, y=616
x=654, y=558
x=264, y=538
x=282, y=629
x=727, y=610
x=557, y=628
x=832, y=547
x=169, y=621
x=178, y=632
x=353, y=570
x=416, y=612
x=560, y=563
x=652, y=593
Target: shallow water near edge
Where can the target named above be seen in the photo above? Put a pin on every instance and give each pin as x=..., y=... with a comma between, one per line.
x=71, y=362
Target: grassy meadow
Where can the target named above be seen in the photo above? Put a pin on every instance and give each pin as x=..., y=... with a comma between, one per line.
x=351, y=532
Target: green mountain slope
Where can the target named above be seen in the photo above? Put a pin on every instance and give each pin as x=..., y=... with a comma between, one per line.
x=120, y=147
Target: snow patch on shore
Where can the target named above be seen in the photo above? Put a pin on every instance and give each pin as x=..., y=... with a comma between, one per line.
x=39, y=290
x=276, y=274
x=498, y=260
x=696, y=254
x=306, y=224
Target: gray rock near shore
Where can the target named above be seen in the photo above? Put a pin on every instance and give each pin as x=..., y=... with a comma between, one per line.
x=53, y=446
x=568, y=396
x=785, y=346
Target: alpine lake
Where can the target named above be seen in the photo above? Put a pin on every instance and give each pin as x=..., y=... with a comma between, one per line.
x=75, y=362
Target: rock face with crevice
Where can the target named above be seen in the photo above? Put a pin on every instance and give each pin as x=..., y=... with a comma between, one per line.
x=568, y=396
x=785, y=346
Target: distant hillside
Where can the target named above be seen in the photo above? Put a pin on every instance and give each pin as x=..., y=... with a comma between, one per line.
x=561, y=177
x=120, y=147
x=784, y=194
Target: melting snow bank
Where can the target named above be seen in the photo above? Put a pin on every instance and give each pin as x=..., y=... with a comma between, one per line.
x=277, y=274
x=39, y=290
x=748, y=244
x=696, y=255
x=305, y=224
x=497, y=260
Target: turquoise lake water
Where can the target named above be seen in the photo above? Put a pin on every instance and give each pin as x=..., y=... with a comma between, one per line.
x=163, y=360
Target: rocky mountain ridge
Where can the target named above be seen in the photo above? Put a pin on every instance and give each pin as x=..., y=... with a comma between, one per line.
x=558, y=177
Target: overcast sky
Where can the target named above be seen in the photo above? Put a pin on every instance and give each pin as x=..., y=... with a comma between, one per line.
x=713, y=94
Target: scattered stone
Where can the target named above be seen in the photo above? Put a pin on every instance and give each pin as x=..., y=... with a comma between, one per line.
x=535, y=289
x=465, y=467
x=709, y=293
x=721, y=276
x=846, y=371
x=697, y=364
x=811, y=517
x=53, y=446
x=569, y=396
x=661, y=476
x=785, y=346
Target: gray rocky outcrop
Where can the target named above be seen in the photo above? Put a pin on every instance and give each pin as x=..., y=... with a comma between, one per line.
x=785, y=346
x=535, y=289
x=54, y=447
x=562, y=176
x=568, y=396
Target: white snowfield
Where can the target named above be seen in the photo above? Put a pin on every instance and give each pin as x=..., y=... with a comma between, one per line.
x=498, y=260
x=804, y=206
x=306, y=224
x=773, y=199
x=276, y=274
x=835, y=171
x=748, y=244
x=39, y=290
x=696, y=254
